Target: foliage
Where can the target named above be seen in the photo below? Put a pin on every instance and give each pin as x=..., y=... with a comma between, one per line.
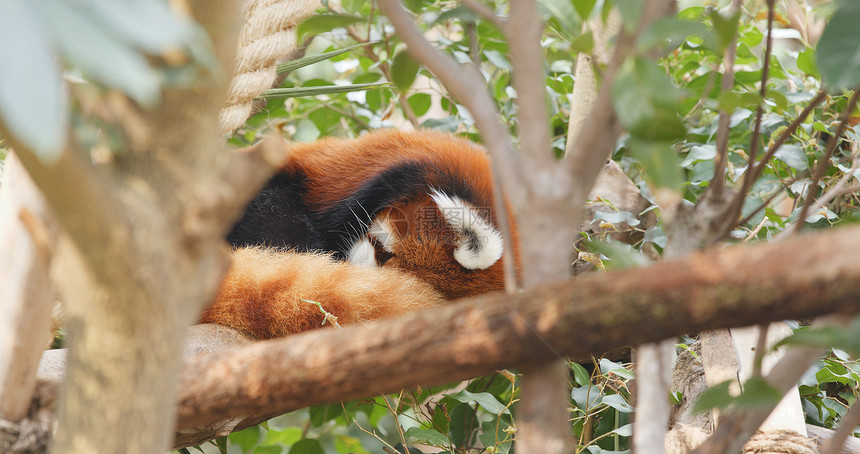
x=103, y=40
x=669, y=108
x=670, y=111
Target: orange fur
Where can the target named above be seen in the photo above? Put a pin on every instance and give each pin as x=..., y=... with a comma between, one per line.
x=265, y=290
x=337, y=167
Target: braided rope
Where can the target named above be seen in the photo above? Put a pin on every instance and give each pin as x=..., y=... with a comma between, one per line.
x=268, y=35
x=779, y=442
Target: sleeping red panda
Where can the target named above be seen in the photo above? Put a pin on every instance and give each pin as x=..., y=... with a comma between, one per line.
x=368, y=227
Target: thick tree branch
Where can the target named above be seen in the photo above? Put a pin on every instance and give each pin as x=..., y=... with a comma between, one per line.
x=715, y=289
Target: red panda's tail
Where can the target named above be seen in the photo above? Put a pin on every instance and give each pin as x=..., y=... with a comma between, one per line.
x=269, y=293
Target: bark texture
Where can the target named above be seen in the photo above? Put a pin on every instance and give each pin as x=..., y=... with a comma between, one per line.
x=595, y=313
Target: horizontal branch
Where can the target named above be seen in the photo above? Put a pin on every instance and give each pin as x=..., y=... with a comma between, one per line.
x=738, y=286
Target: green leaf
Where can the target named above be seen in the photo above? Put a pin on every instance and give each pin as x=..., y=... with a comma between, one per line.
x=149, y=24
x=586, y=397
x=726, y=28
x=583, y=42
x=460, y=13
x=427, y=436
x=420, y=103
x=319, y=414
x=698, y=153
x=611, y=367
x=286, y=436
x=625, y=430
x=107, y=60
x=246, y=439
x=493, y=435
x=464, y=421
x=486, y=400
x=758, y=393
x=413, y=5
x=620, y=255
x=671, y=32
x=296, y=92
x=321, y=23
x=806, y=62
x=403, y=70
x=631, y=11
x=307, y=446
x=583, y=8
x=714, y=397
x=617, y=402
x=660, y=162
x=580, y=375
x=844, y=338
x=838, y=50
x=33, y=101
x=793, y=156
x=499, y=59
x=646, y=101
x=293, y=65
x=562, y=11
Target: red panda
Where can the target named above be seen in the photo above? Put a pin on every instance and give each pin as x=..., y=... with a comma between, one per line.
x=368, y=227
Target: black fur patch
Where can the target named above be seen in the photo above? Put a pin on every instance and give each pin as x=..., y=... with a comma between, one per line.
x=351, y=218
x=459, y=186
x=277, y=217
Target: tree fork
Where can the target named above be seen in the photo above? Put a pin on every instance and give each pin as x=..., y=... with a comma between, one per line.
x=592, y=314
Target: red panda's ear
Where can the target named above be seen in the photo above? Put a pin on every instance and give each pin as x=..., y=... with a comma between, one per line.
x=479, y=244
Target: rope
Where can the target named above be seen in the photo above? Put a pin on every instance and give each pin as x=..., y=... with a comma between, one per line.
x=780, y=442
x=268, y=35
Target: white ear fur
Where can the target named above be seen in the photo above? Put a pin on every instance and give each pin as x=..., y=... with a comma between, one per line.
x=362, y=253
x=479, y=243
x=382, y=231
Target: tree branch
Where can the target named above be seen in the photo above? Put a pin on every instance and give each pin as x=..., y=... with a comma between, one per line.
x=719, y=180
x=486, y=13
x=733, y=210
x=824, y=163
x=467, y=84
x=497, y=331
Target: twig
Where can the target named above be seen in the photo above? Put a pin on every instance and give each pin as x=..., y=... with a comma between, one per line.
x=407, y=111
x=824, y=164
x=394, y=415
x=386, y=72
x=734, y=209
x=757, y=228
x=792, y=127
x=718, y=182
x=486, y=13
x=465, y=83
x=837, y=190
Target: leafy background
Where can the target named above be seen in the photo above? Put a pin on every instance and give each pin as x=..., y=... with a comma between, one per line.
x=669, y=108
